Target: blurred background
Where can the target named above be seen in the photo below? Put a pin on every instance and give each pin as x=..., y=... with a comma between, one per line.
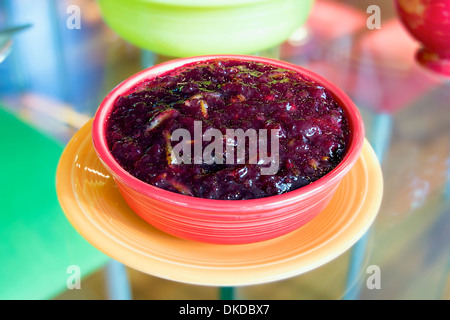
x=54, y=72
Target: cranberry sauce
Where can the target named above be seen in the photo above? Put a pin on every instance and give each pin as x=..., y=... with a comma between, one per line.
x=228, y=94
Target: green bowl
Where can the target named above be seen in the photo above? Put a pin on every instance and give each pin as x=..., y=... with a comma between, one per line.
x=181, y=28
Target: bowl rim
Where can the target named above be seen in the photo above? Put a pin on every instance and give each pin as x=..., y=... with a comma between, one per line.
x=355, y=144
x=201, y=3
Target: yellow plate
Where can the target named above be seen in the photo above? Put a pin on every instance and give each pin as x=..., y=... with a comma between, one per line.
x=94, y=206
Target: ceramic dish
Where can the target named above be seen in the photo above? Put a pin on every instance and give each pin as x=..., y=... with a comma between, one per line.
x=227, y=221
x=93, y=204
x=180, y=28
x=429, y=23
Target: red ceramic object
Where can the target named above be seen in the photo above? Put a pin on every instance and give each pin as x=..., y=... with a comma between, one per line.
x=428, y=21
x=226, y=221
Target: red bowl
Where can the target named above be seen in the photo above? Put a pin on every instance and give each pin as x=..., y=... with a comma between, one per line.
x=429, y=23
x=226, y=221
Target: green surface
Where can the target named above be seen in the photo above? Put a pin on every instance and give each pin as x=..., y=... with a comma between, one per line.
x=37, y=243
